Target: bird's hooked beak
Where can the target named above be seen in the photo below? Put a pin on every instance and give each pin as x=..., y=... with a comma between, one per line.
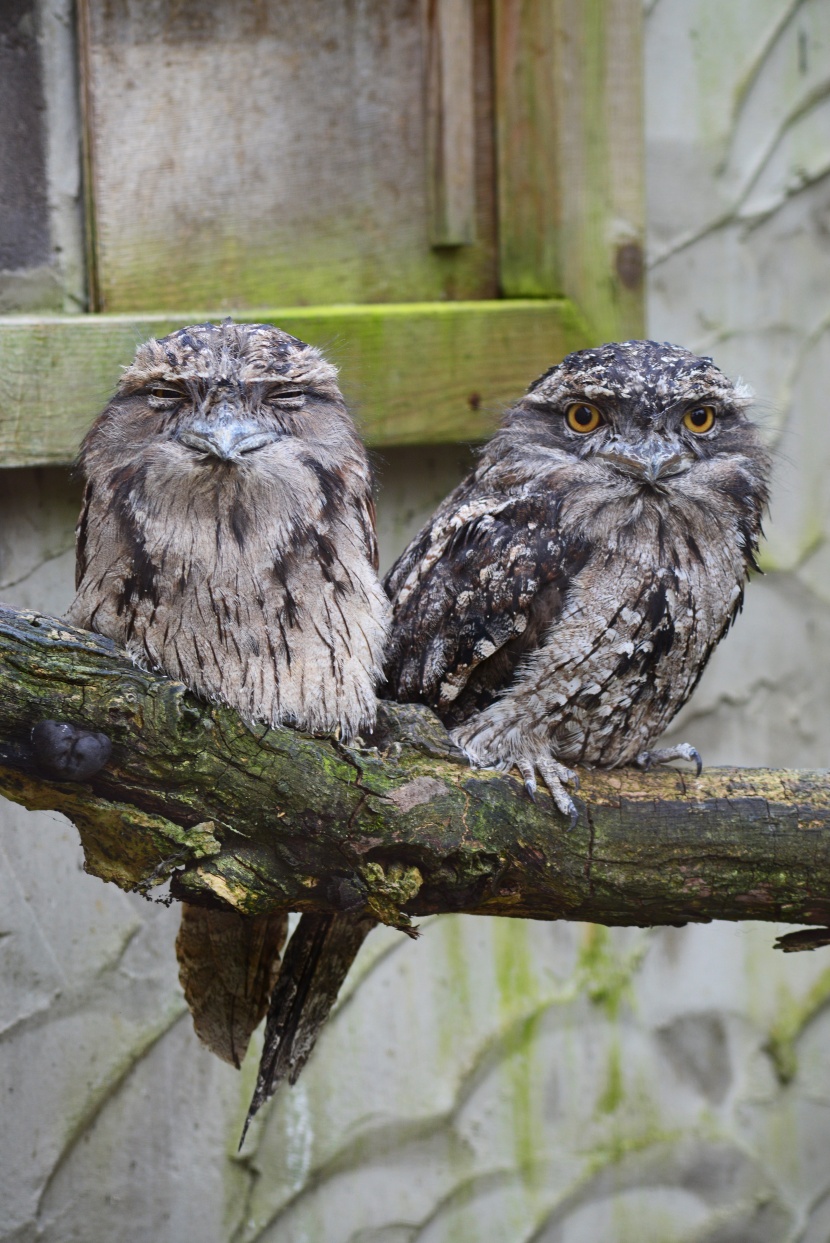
x=227, y=435
x=651, y=461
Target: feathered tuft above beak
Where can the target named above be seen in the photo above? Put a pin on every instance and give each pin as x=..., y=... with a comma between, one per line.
x=652, y=460
x=226, y=439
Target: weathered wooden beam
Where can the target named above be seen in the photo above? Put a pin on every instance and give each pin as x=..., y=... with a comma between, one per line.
x=414, y=373
x=264, y=819
x=272, y=154
x=569, y=113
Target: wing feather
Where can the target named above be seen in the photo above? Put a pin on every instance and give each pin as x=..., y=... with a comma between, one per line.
x=475, y=592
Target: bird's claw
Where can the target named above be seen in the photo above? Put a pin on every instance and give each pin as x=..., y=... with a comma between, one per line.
x=555, y=777
x=664, y=755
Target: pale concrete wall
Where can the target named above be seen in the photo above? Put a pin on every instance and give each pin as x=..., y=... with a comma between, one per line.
x=496, y=1082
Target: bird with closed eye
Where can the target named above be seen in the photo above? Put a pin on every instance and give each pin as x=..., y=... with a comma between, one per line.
x=562, y=603
x=227, y=534
x=227, y=538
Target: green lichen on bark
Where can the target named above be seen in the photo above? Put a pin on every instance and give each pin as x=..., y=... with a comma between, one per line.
x=257, y=819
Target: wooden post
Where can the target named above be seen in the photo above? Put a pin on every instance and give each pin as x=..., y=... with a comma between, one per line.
x=570, y=156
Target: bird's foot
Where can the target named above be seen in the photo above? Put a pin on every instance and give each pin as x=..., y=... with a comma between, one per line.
x=664, y=755
x=555, y=776
x=489, y=749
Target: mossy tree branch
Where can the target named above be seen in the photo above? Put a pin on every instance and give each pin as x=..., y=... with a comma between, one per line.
x=262, y=819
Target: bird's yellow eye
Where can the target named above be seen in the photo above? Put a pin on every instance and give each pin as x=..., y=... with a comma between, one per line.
x=699, y=419
x=164, y=393
x=583, y=417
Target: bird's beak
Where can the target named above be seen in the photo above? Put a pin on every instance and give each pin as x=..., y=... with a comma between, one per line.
x=651, y=461
x=227, y=437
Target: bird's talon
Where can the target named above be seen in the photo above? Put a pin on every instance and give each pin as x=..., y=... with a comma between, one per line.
x=530, y=787
x=664, y=755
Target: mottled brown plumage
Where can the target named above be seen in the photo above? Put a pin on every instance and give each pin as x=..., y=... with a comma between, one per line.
x=562, y=602
x=228, y=966
x=227, y=538
x=227, y=533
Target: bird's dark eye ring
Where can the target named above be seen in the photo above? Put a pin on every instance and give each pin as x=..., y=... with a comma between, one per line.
x=582, y=417
x=700, y=419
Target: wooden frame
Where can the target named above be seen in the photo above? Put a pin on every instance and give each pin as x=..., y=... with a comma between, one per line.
x=567, y=130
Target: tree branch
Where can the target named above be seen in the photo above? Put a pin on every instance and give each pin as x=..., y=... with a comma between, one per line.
x=261, y=819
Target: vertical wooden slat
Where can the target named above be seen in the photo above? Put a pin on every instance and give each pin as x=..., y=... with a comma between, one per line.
x=88, y=155
x=450, y=121
x=570, y=156
x=527, y=147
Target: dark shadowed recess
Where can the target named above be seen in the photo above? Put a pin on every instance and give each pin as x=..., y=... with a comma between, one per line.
x=24, y=220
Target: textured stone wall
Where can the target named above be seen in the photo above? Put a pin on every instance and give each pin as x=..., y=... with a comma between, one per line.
x=496, y=1082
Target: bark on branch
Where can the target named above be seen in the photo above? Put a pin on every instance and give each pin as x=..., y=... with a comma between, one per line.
x=264, y=819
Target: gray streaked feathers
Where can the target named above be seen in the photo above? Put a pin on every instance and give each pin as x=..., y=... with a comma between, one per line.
x=563, y=601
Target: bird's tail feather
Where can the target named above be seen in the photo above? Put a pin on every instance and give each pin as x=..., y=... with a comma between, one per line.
x=314, y=966
x=228, y=967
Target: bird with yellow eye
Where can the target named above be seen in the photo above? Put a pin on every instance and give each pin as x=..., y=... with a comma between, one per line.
x=560, y=605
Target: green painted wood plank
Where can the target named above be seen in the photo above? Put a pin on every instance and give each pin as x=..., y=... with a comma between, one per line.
x=413, y=373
